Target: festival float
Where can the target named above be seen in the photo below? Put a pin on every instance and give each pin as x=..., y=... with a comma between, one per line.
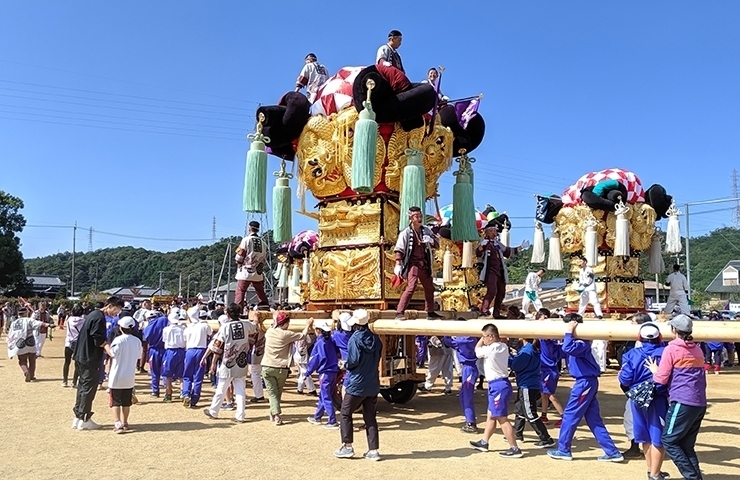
x=373, y=144
x=610, y=219
x=370, y=146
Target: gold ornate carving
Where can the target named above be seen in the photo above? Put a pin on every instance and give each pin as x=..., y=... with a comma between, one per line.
x=319, y=165
x=621, y=267
x=642, y=226
x=626, y=295
x=345, y=274
x=437, y=149
x=325, y=154
x=390, y=221
x=572, y=297
x=341, y=223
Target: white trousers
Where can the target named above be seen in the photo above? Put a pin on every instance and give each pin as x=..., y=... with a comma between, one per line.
x=439, y=364
x=589, y=296
x=40, y=339
x=256, y=371
x=627, y=421
x=598, y=350
x=526, y=303
x=240, y=384
x=305, y=381
x=681, y=300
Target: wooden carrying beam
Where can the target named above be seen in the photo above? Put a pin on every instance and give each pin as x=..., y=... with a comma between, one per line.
x=589, y=330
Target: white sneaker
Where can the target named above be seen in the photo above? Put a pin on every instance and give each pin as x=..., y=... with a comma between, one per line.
x=88, y=425
x=75, y=423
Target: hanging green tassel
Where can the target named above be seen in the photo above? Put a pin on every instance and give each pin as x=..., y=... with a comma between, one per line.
x=281, y=209
x=365, y=147
x=255, y=177
x=413, y=186
x=464, y=227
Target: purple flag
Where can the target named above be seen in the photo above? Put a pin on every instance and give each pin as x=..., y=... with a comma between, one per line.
x=466, y=110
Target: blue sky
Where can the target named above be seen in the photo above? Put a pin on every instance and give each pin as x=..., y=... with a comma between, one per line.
x=131, y=118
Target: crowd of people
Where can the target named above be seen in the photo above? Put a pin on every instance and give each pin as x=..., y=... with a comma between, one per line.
x=665, y=383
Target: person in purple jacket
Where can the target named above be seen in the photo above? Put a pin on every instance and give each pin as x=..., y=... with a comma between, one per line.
x=647, y=422
x=582, y=402
x=153, y=337
x=681, y=369
x=465, y=347
x=551, y=354
x=323, y=360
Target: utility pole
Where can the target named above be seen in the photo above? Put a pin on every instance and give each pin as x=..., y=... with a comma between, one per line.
x=213, y=231
x=179, y=286
x=736, y=194
x=213, y=279
x=89, y=241
x=228, y=275
x=74, y=243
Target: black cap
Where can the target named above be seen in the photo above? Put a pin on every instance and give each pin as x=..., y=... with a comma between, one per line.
x=414, y=209
x=254, y=224
x=394, y=33
x=312, y=55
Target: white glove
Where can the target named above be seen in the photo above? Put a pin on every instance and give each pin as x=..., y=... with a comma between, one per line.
x=525, y=245
x=397, y=270
x=427, y=239
x=483, y=242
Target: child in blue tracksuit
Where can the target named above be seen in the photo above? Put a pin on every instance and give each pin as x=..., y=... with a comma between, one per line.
x=526, y=365
x=582, y=402
x=647, y=423
x=153, y=337
x=713, y=355
x=465, y=347
x=551, y=354
x=324, y=360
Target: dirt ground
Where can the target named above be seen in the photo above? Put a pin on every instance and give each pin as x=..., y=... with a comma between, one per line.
x=418, y=440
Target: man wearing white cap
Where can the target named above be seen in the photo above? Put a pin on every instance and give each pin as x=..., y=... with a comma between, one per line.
x=231, y=345
x=173, y=362
x=124, y=352
x=363, y=386
x=196, y=341
x=324, y=361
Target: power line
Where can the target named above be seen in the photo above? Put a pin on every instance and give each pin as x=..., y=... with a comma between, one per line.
x=119, y=123
x=123, y=235
x=118, y=129
x=111, y=116
x=169, y=88
x=122, y=102
x=127, y=96
x=116, y=108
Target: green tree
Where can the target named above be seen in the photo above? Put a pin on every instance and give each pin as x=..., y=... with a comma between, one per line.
x=12, y=276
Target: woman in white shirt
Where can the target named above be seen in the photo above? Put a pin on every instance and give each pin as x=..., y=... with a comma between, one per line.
x=73, y=324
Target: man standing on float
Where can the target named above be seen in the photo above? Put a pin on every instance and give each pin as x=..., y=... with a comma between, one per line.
x=250, y=259
x=414, y=262
x=494, y=273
